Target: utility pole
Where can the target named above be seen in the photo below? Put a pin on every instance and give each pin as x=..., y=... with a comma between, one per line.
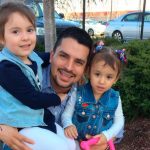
x=83, y=19
x=142, y=21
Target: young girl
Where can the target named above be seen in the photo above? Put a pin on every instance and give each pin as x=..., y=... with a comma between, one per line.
x=96, y=108
x=22, y=104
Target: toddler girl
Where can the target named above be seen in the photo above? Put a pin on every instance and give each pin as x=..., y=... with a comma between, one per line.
x=95, y=109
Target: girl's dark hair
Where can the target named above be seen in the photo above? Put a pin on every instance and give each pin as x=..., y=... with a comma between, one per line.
x=110, y=58
x=6, y=9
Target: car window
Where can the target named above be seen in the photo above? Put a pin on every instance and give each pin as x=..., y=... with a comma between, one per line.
x=147, y=18
x=131, y=17
x=55, y=13
x=36, y=10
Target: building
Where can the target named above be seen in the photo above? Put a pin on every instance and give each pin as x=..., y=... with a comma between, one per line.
x=104, y=9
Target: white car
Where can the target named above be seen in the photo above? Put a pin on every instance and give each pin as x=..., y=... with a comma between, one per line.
x=128, y=26
x=94, y=27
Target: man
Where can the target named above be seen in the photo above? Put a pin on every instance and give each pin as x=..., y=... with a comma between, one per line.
x=68, y=61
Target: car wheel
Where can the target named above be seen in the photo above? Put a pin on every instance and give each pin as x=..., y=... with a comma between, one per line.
x=117, y=35
x=91, y=32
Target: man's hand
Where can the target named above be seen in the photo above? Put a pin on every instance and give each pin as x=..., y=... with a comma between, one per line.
x=13, y=139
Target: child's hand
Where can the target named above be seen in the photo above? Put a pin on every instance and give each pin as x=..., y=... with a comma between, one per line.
x=102, y=140
x=71, y=132
x=101, y=144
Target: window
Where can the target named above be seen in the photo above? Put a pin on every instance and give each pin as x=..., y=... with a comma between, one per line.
x=147, y=18
x=131, y=17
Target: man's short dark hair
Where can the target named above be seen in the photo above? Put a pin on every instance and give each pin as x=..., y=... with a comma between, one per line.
x=80, y=35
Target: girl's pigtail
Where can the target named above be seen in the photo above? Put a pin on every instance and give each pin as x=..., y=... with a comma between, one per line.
x=121, y=55
x=99, y=45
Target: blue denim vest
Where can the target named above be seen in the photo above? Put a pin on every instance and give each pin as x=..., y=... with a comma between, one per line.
x=12, y=111
x=91, y=117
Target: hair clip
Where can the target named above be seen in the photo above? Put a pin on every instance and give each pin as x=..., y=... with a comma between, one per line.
x=99, y=46
x=121, y=55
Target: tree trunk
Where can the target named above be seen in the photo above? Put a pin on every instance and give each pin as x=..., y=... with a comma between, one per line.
x=49, y=24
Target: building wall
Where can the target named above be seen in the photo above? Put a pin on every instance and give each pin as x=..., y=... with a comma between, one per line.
x=103, y=9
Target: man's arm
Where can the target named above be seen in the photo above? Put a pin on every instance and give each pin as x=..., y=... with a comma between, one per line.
x=13, y=139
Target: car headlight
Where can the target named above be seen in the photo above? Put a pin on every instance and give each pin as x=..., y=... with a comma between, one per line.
x=40, y=31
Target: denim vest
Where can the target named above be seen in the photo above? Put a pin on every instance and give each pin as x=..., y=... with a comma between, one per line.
x=12, y=111
x=91, y=117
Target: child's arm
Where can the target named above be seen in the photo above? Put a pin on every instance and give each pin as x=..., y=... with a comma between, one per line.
x=16, y=83
x=45, y=56
x=118, y=123
x=66, y=118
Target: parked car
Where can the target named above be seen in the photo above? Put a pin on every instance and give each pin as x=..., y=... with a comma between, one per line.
x=128, y=26
x=60, y=22
x=93, y=27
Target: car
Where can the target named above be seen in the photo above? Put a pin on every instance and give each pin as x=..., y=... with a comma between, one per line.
x=93, y=27
x=60, y=22
x=128, y=26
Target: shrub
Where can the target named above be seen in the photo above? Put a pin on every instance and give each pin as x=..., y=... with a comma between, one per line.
x=134, y=84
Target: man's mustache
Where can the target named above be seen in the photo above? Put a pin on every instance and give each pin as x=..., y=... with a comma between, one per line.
x=67, y=71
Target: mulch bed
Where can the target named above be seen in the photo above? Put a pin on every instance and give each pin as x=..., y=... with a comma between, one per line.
x=136, y=136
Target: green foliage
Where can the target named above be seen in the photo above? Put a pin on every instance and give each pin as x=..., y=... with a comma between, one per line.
x=108, y=41
x=134, y=84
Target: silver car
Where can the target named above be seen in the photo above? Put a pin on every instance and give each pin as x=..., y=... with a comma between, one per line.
x=128, y=26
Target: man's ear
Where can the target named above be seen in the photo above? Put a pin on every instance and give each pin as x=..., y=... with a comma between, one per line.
x=51, y=56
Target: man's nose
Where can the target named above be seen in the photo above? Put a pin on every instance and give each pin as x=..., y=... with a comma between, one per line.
x=70, y=65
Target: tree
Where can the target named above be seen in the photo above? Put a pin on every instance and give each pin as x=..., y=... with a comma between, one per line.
x=49, y=24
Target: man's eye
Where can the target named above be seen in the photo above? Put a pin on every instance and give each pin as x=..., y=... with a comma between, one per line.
x=63, y=56
x=97, y=74
x=80, y=63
